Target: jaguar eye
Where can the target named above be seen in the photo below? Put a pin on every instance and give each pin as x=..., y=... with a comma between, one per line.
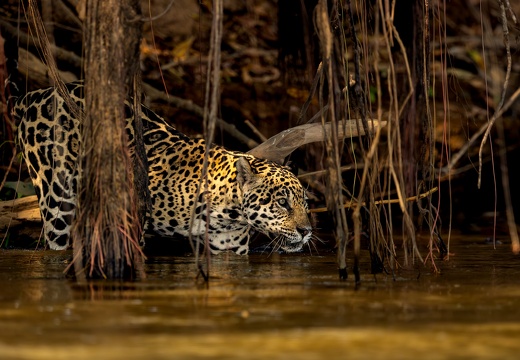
x=283, y=203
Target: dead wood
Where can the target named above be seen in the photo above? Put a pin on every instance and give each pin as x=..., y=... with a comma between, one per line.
x=193, y=108
x=20, y=218
x=281, y=145
x=27, y=41
x=31, y=67
x=15, y=212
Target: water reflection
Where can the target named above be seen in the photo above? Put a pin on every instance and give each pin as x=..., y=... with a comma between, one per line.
x=276, y=306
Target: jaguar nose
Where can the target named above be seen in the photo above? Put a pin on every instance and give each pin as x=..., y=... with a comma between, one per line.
x=304, y=232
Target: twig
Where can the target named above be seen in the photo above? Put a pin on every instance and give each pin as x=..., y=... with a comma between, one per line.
x=351, y=204
x=456, y=158
x=194, y=60
x=356, y=166
x=211, y=106
x=153, y=18
x=255, y=130
x=511, y=12
x=188, y=105
x=505, y=30
x=312, y=92
x=25, y=40
x=513, y=231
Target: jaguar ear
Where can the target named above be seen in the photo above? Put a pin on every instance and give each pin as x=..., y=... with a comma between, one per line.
x=293, y=167
x=245, y=174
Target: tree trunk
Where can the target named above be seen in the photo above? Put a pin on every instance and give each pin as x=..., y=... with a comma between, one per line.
x=108, y=227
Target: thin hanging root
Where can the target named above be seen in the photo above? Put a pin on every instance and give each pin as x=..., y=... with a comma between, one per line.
x=351, y=204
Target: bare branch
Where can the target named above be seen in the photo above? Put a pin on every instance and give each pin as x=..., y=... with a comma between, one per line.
x=279, y=146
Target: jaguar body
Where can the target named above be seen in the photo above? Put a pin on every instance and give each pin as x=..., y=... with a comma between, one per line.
x=242, y=194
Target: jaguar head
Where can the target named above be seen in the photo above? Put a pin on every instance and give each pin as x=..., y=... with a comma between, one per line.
x=274, y=202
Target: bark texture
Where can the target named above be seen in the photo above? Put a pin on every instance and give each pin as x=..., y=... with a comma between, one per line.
x=108, y=226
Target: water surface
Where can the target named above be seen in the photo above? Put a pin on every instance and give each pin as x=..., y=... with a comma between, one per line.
x=264, y=306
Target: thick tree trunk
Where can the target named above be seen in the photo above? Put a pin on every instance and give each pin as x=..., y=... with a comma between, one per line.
x=107, y=229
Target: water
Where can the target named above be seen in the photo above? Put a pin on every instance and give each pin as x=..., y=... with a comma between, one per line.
x=264, y=306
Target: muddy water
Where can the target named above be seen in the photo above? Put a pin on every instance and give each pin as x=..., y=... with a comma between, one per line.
x=259, y=307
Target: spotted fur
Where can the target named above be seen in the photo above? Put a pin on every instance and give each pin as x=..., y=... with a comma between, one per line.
x=243, y=193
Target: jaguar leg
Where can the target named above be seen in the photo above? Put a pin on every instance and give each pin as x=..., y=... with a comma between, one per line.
x=236, y=241
x=57, y=201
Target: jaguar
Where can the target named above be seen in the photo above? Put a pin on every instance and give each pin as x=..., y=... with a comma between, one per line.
x=243, y=193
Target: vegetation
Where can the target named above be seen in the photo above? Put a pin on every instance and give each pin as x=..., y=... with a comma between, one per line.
x=442, y=75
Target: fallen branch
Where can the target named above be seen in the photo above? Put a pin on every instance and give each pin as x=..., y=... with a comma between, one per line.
x=279, y=146
x=20, y=219
x=28, y=41
x=350, y=204
x=190, y=106
x=14, y=212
